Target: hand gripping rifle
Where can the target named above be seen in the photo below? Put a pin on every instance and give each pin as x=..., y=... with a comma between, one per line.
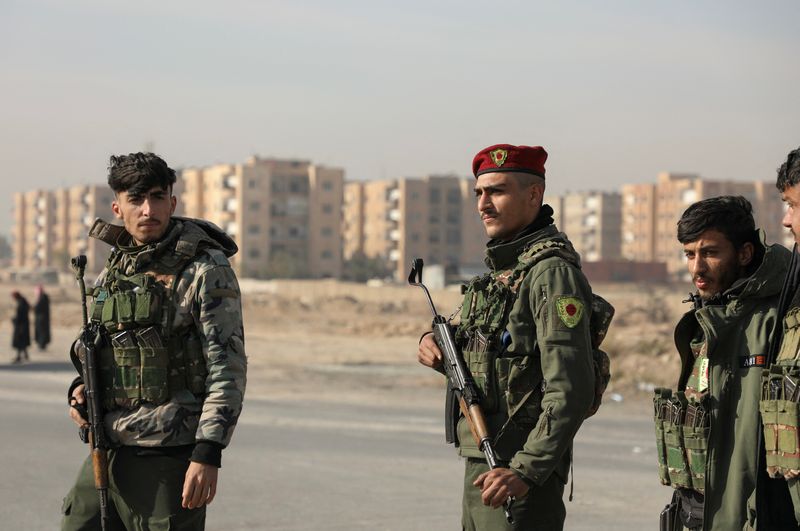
x=461, y=384
x=86, y=350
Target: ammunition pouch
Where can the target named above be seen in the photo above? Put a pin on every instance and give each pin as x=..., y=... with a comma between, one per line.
x=137, y=369
x=127, y=309
x=780, y=415
x=682, y=430
x=661, y=410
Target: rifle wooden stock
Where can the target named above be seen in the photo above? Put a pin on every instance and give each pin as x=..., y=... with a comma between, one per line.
x=476, y=422
x=100, y=468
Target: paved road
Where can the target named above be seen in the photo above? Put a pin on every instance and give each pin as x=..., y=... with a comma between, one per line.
x=305, y=465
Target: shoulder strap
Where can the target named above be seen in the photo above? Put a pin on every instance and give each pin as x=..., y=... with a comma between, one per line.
x=556, y=246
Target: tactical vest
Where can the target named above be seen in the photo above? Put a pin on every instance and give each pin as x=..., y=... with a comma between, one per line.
x=143, y=359
x=512, y=387
x=683, y=424
x=780, y=394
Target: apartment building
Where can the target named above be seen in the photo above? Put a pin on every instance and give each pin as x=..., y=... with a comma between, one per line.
x=434, y=218
x=285, y=215
x=592, y=221
x=50, y=226
x=650, y=213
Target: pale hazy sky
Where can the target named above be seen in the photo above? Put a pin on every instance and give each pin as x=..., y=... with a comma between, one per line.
x=616, y=91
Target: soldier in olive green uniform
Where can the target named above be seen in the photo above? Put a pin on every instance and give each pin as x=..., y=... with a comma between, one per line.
x=708, y=431
x=525, y=336
x=781, y=383
x=172, y=368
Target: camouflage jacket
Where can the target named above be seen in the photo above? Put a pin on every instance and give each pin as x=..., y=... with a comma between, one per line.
x=207, y=297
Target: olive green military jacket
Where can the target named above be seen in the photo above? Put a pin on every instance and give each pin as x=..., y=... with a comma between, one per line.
x=207, y=300
x=737, y=335
x=558, y=346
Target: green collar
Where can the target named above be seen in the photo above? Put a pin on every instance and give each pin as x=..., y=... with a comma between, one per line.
x=504, y=255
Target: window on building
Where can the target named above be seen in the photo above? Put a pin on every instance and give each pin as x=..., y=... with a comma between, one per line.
x=254, y=253
x=298, y=185
x=326, y=232
x=435, y=195
x=253, y=229
x=454, y=236
x=327, y=208
x=251, y=183
x=326, y=254
x=327, y=185
x=255, y=205
x=454, y=216
x=453, y=196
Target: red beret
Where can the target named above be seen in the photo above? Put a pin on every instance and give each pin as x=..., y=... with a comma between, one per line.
x=505, y=157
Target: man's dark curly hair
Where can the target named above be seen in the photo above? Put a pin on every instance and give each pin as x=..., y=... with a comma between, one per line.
x=789, y=172
x=136, y=173
x=730, y=215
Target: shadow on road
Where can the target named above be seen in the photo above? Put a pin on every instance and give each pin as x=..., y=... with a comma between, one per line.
x=38, y=366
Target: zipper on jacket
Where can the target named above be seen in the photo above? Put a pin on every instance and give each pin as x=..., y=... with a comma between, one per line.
x=544, y=426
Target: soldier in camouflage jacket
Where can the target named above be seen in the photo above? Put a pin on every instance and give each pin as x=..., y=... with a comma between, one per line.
x=169, y=295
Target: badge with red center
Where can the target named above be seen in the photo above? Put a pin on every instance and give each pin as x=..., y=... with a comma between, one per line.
x=499, y=156
x=570, y=310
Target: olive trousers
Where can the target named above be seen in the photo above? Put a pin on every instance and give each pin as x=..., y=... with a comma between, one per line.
x=144, y=494
x=541, y=509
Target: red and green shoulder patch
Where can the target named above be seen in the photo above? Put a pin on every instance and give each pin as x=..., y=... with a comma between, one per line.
x=570, y=310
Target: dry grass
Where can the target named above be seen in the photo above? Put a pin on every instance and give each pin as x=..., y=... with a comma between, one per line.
x=304, y=334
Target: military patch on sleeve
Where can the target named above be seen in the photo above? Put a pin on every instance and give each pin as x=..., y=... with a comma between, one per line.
x=570, y=310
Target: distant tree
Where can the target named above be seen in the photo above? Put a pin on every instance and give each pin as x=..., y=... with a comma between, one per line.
x=360, y=268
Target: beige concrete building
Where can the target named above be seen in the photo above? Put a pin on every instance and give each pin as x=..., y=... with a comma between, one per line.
x=650, y=213
x=285, y=215
x=434, y=218
x=592, y=222
x=52, y=226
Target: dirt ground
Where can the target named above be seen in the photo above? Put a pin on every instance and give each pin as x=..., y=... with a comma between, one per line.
x=348, y=341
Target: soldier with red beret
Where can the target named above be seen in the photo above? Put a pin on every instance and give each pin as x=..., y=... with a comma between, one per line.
x=526, y=338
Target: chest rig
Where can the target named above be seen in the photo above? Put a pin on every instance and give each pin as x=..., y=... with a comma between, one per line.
x=145, y=357
x=780, y=400
x=512, y=384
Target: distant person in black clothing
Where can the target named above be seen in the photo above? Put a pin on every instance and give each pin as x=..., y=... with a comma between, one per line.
x=41, y=318
x=21, y=338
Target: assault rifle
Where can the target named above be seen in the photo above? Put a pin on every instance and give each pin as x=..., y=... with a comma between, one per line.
x=461, y=385
x=86, y=351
